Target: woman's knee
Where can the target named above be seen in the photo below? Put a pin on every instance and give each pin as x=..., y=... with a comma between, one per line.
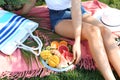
x=105, y=31
x=93, y=31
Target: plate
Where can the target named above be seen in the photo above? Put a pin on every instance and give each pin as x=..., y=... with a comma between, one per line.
x=57, y=69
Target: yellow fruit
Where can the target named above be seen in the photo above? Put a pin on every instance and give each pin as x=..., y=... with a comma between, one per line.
x=45, y=54
x=53, y=61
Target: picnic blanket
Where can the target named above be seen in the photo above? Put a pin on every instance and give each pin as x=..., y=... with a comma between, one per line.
x=17, y=66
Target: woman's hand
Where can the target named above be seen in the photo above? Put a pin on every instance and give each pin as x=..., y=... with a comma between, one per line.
x=76, y=52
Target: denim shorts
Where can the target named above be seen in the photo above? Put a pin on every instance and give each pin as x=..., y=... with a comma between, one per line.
x=57, y=15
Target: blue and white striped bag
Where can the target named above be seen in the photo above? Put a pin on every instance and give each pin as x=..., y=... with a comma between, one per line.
x=14, y=30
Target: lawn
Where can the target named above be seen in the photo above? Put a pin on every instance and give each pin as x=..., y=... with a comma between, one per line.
x=77, y=74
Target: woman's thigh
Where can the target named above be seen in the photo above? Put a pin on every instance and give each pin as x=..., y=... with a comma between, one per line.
x=91, y=20
x=65, y=28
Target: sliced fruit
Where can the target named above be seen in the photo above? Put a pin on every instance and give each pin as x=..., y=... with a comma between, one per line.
x=48, y=47
x=63, y=62
x=53, y=61
x=45, y=54
x=63, y=43
x=56, y=52
x=54, y=44
x=68, y=56
x=62, y=48
x=65, y=59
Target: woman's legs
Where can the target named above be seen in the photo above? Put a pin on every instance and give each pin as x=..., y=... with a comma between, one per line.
x=113, y=51
x=92, y=34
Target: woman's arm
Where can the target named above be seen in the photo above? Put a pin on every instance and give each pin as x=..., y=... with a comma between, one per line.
x=77, y=24
x=27, y=7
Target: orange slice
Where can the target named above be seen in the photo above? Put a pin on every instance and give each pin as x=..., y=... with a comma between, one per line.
x=54, y=44
x=63, y=43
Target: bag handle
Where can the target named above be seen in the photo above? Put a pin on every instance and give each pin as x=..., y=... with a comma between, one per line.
x=36, y=51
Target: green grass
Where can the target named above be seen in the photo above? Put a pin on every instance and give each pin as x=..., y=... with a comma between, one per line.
x=77, y=74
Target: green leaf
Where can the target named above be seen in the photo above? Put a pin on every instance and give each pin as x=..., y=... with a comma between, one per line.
x=2, y=2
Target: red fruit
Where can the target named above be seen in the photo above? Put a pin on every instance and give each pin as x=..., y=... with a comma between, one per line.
x=68, y=56
x=65, y=59
x=62, y=48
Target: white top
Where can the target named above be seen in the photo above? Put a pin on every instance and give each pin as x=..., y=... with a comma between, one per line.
x=58, y=4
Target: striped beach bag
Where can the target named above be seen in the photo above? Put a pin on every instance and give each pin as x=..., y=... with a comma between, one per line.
x=14, y=30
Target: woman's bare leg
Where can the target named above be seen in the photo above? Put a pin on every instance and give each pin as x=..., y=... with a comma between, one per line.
x=113, y=51
x=93, y=35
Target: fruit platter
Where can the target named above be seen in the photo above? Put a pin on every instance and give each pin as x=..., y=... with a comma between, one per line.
x=57, y=56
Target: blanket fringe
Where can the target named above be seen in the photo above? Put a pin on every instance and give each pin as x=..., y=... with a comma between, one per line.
x=87, y=63
x=26, y=74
